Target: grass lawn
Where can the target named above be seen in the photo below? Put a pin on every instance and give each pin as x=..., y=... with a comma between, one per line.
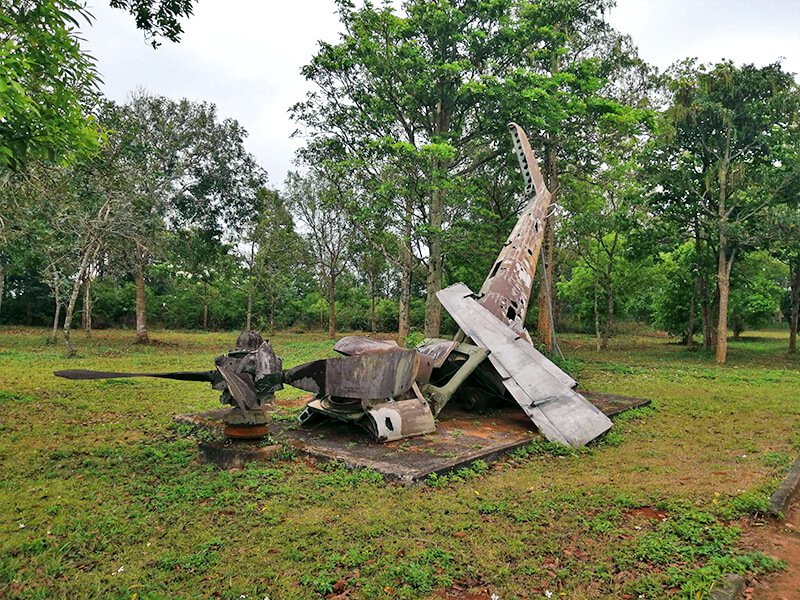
x=100, y=496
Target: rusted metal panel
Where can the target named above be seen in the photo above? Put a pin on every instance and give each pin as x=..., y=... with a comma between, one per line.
x=541, y=389
x=240, y=386
x=395, y=420
x=364, y=376
x=353, y=345
x=437, y=350
x=507, y=290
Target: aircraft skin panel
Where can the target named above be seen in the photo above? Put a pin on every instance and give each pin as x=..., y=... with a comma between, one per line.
x=507, y=290
x=541, y=389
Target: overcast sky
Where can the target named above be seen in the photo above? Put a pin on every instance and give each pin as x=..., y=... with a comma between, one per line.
x=245, y=55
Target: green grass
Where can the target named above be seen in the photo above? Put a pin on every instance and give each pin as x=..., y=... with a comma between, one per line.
x=100, y=497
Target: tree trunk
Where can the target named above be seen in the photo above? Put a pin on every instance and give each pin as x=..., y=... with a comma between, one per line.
x=707, y=333
x=73, y=300
x=609, y=315
x=404, y=310
x=433, y=281
x=271, y=311
x=3, y=272
x=57, y=295
x=545, y=322
x=597, y=320
x=141, y=298
x=696, y=289
x=249, y=308
x=87, y=306
x=205, y=316
x=795, y=307
x=723, y=272
x=332, y=307
x=373, y=321
x=737, y=328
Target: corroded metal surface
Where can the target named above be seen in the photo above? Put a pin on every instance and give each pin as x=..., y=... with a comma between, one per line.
x=541, y=389
x=460, y=438
x=353, y=345
x=363, y=376
x=507, y=290
x=437, y=349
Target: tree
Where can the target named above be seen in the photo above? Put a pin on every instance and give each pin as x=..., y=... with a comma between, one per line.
x=316, y=201
x=726, y=125
x=419, y=101
x=599, y=216
x=757, y=287
x=781, y=235
x=585, y=90
x=271, y=249
x=157, y=18
x=46, y=83
x=193, y=173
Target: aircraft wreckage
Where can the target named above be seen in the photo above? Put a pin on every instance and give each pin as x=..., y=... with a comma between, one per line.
x=396, y=392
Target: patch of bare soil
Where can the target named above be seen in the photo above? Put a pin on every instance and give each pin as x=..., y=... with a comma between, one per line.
x=781, y=540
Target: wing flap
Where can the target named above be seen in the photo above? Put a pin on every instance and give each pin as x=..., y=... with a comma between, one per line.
x=541, y=389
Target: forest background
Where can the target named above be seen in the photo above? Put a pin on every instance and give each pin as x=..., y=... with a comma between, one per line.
x=676, y=192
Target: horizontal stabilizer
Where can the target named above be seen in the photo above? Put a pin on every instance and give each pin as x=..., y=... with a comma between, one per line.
x=543, y=390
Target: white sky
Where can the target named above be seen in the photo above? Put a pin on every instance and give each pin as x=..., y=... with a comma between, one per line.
x=245, y=55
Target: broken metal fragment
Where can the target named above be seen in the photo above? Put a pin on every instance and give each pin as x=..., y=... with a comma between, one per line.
x=365, y=376
x=353, y=345
x=541, y=389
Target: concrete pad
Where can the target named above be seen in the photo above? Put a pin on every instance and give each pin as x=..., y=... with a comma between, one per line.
x=729, y=587
x=460, y=439
x=235, y=455
x=780, y=498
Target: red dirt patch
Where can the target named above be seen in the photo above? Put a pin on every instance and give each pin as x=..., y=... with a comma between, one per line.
x=780, y=540
x=648, y=512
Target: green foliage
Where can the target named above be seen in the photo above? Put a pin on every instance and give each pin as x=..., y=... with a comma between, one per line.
x=677, y=272
x=476, y=469
x=749, y=503
x=758, y=283
x=47, y=84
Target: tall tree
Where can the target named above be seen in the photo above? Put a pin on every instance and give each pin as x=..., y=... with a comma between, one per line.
x=727, y=123
x=421, y=98
x=193, y=172
x=317, y=202
x=271, y=249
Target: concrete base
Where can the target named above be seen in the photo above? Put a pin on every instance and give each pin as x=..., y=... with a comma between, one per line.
x=460, y=439
x=235, y=454
x=780, y=498
x=219, y=448
x=729, y=587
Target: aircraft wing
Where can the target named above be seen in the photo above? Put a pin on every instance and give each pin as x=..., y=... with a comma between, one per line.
x=541, y=389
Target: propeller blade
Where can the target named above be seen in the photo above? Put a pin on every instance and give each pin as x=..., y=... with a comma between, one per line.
x=207, y=376
x=241, y=390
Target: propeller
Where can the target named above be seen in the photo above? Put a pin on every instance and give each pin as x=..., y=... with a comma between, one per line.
x=179, y=375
